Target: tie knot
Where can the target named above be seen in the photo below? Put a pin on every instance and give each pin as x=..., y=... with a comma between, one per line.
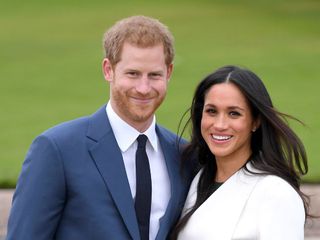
x=142, y=139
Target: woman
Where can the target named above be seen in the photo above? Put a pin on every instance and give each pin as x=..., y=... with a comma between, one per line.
x=251, y=163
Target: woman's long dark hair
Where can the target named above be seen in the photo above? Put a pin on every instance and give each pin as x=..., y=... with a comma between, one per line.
x=276, y=149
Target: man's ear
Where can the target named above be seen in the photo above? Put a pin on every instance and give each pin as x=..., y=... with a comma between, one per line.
x=107, y=70
x=169, y=71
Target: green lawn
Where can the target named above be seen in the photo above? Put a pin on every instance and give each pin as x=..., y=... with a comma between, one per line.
x=51, y=54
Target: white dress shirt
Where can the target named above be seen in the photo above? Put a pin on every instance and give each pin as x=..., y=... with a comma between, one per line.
x=126, y=137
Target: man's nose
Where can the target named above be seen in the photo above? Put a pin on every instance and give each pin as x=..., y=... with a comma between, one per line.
x=143, y=85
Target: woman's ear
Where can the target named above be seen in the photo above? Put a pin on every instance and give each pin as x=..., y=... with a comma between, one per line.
x=256, y=124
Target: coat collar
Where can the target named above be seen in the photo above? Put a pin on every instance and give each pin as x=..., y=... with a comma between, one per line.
x=220, y=213
x=108, y=159
x=172, y=158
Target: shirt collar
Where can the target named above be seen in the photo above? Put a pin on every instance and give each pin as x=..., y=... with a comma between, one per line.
x=125, y=134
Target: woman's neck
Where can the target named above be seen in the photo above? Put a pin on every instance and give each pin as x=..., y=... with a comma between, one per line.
x=227, y=167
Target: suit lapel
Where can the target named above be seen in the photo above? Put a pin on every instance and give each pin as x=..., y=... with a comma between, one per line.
x=172, y=162
x=108, y=159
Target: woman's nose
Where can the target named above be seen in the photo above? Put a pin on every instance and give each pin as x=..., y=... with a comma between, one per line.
x=220, y=122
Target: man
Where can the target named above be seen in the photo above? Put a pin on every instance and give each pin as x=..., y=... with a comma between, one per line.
x=79, y=179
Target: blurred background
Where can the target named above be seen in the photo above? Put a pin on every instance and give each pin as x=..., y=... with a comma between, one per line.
x=51, y=53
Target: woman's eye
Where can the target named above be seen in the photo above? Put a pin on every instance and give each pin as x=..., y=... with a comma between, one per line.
x=210, y=110
x=234, y=114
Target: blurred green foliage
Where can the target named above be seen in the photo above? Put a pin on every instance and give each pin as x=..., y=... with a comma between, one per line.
x=51, y=54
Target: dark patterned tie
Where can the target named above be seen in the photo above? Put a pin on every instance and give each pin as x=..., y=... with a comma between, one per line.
x=143, y=188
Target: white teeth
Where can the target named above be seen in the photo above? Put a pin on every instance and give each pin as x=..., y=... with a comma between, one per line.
x=221, y=138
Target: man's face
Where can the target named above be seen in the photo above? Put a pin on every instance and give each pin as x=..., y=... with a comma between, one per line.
x=138, y=83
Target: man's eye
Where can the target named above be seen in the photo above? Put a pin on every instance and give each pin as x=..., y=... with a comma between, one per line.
x=132, y=74
x=155, y=75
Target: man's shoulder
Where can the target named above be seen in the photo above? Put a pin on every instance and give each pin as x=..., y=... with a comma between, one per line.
x=169, y=135
x=164, y=131
x=75, y=126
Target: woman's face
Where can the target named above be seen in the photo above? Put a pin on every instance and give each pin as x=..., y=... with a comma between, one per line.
x=227, y=123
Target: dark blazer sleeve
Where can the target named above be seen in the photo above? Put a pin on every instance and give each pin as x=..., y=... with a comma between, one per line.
x=38, y=201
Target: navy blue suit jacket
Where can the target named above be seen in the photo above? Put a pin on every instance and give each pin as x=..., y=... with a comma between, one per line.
x=73, y=185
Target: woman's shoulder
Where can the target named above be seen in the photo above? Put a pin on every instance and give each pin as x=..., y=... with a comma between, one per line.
x=273, y=189
x=271, y=184
x=279, y=207
x=275, y=184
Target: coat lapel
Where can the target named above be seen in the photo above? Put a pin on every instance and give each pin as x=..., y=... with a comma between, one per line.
x=172, y=158
x=218, y=216
x=233, y=195
x=108, y=159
